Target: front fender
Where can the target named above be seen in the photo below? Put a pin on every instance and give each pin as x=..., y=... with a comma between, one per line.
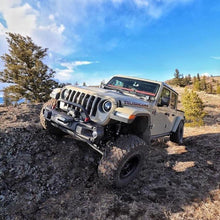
x=128, y=114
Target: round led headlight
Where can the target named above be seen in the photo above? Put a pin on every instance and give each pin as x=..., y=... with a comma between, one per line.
x=106, y=106
x=65, y=93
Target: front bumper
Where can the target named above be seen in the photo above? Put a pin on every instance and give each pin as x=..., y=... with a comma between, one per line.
x=88, y=132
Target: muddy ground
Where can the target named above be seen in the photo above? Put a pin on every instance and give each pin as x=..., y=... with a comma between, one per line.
x=44, y=177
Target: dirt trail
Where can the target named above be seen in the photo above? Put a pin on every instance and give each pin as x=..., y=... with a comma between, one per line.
x=43, y=177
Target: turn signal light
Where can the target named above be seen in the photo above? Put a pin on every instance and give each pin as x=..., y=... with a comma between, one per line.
x=131, y=117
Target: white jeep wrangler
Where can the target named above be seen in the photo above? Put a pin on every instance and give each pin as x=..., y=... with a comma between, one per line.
x=118, y=120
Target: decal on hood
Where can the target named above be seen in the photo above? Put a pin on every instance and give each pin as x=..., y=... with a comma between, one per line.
x=135, y=103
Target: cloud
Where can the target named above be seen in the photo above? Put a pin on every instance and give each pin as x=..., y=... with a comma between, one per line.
x=26, y=20
x=68, y=73
x=206, y=74
x=141, y=3
x=56, y=24
x=51, y=17
x=157, y=8
x=216, y=58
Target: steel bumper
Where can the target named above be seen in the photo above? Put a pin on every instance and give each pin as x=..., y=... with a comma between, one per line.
x=85, y=131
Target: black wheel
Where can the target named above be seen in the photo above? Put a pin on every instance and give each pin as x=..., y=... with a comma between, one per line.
x=177, y=136
x=122, y=161
x=46, y=124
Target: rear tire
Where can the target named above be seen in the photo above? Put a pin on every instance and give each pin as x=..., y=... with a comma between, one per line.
x=122, y=161
x=45, y=123
x=177, y=136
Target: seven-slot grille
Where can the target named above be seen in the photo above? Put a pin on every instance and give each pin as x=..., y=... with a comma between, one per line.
x=89, y=102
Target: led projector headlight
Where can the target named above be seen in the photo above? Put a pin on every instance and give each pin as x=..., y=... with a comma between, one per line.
x=106, y=106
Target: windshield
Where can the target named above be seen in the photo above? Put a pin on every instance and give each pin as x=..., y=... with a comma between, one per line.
x=141, y=88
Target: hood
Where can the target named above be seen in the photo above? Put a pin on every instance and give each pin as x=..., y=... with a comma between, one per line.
x=125, y=98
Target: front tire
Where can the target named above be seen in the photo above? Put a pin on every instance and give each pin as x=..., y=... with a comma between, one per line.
x=177, y=136
x=123, y=160
x=45, y=123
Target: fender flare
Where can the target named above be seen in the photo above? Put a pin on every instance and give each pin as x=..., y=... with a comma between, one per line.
x=146, y=133
x=176, y=124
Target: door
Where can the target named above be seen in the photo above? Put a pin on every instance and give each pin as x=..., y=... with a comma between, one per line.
x=160, y=121
x=165, y=112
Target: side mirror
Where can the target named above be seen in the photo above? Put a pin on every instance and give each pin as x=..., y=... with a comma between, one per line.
x=102, y=85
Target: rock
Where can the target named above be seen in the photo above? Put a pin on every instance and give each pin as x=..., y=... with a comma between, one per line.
x=42, y=177
x=217, y=120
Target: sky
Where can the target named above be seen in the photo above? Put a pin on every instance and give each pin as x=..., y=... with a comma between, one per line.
x=92, y=40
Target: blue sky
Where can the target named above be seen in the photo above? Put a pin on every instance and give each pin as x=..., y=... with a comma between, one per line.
x=91, y=40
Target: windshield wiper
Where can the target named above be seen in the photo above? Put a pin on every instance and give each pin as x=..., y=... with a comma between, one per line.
x=112, y=88
x=135, y=92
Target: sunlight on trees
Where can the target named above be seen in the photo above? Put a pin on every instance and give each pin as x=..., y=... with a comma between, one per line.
x=193, y=108
x=30, y=78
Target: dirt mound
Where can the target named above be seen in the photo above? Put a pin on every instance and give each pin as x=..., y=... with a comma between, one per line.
x=43, y=177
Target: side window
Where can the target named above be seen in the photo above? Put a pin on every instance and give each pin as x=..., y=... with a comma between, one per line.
x=164, y=98
x=173, y=101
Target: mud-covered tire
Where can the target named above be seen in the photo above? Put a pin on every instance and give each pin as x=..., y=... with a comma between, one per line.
x=122, y=160
x=177, y=137
x=45, y=123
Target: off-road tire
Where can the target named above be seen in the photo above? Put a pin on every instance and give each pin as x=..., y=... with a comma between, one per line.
x=45, y=123
x=127, y=152
x=177, y=137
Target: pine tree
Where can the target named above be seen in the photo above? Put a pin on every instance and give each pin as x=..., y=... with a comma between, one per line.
x=218, y=89
x=177, y=74
x=177, y=77
x=196, y=85
x=203, y=84
x=6, y=98
x=193, y=108
x=210, y=88
x=31, y=78
x=194, y=80
x=189, y=78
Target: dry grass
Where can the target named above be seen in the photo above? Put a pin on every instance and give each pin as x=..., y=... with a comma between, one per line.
x=207, y=209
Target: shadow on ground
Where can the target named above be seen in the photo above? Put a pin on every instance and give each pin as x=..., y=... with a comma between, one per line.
x=42, y=177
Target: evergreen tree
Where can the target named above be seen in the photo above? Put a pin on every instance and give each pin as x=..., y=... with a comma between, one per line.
x=188, y=80
x=218, y=89
x=210, y=88
x=196, y=85
x=180, y=79
x=177, y=74
x=31, y=78
x=203, y=84
x=177, y=78
x=6, y=98
x=194, y=79
x=193, y=108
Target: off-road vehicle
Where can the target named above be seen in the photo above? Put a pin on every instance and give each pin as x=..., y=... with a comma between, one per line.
x=118, y=120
